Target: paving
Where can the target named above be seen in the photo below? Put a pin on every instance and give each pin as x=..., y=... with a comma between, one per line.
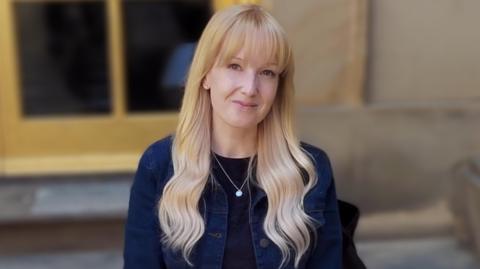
x=422, y=253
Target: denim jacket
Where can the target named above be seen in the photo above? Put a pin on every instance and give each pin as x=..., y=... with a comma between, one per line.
x=143, y=249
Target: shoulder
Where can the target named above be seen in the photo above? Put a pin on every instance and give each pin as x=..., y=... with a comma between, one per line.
x=157, y=156
x=322, y=164
x=318, y=155
x=160, y=147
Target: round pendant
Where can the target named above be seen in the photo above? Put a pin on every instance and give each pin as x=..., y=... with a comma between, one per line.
x=239, y=193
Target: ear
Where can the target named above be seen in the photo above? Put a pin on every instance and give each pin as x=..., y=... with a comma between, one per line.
x=205, y=83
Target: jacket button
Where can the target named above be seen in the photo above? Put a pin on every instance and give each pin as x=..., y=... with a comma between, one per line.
x=264, y=242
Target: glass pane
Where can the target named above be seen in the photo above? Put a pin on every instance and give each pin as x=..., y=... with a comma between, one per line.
x=63, y=60
x=160, y=41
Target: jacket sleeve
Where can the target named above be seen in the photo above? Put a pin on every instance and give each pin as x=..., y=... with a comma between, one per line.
x=328, y=251
x=142, y=248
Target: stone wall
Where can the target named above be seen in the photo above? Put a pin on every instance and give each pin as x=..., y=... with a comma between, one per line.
x=413, y=119
x=424, y=51
x=328, y=38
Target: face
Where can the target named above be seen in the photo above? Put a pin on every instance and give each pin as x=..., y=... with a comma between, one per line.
x=242, y=92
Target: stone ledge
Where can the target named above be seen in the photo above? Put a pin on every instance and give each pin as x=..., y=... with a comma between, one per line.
x=430, y=252
x=65, y=198
x=78, y=235
x=434, y=220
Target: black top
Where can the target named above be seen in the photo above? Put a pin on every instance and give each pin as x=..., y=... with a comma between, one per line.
x=239, y=251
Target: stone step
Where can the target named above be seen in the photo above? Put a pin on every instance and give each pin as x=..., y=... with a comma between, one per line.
x=432, y=220
x=64, y=198
x=63, y=213
x=82, y=212
x=424, y=253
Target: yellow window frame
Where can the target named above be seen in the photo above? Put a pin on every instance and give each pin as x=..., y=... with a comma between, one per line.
x=74, y=144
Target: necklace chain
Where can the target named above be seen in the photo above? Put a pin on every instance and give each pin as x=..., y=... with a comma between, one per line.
x=239, y=191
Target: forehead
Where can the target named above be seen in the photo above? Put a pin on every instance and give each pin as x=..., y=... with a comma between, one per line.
x=253, y=45
x=254, y=57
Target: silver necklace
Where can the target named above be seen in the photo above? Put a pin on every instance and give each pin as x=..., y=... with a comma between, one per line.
x=239, y=191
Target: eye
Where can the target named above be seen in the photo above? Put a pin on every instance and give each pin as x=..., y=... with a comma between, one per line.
x=269, y=73
x=234, y=66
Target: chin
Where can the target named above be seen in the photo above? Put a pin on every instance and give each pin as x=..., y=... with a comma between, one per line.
x=244, y=125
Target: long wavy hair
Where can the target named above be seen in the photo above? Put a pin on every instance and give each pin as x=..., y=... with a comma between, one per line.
x=283, y=169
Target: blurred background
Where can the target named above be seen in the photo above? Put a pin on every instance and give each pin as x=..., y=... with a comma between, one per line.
x=389, y=89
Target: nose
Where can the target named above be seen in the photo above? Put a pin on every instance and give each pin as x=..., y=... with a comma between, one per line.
x=249, y=84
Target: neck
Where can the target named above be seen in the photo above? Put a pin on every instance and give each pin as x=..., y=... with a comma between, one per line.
x=235, y=142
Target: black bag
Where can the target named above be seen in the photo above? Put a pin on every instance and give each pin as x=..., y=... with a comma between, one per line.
x=349, y=215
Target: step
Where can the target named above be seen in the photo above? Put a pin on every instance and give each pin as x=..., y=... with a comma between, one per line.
x=63, y=213
x=63, y=198
x=424, y=253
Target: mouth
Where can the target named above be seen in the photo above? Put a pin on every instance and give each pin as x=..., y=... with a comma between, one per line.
x=245, y=104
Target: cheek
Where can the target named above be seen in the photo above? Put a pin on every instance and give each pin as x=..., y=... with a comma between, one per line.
x=215, y=99
x=221, y=84
x=270, y=92
x=221, y=77
x=216, y=90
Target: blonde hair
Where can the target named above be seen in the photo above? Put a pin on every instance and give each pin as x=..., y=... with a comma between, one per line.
x=280, y=159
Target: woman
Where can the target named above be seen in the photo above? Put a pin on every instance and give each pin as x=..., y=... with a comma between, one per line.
x=234, y=187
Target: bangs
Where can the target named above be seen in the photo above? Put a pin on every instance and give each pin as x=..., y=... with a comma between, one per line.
x=259, y=38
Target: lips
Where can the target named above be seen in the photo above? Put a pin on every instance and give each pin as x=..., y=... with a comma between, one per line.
x=245, y=104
